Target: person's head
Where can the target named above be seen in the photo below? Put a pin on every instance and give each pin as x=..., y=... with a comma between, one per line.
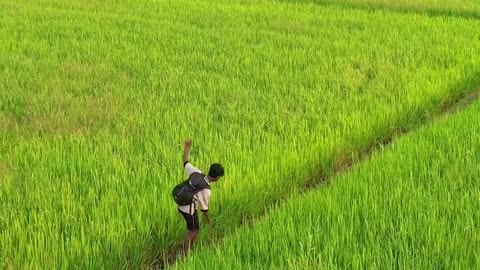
x=216, y=171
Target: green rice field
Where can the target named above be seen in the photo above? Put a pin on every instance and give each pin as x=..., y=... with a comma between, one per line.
x=413, y=206
x=461, y=8
x=96, y=98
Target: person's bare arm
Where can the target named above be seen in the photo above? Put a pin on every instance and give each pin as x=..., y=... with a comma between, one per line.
x=188, y=145
x=189, y=168
x=203, y=199
x=207, y=218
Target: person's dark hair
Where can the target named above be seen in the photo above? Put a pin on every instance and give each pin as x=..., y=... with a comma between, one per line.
x=216, y=170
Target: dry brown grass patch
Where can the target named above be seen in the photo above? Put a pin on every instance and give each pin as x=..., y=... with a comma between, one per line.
x=5, y=171
x=291, y=26
x=68, y=115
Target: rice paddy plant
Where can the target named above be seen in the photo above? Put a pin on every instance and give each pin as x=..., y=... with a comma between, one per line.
x=461, y=8
x=412, y=206
x=97, y=96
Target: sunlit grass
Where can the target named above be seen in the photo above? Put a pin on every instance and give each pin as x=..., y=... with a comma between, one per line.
x=413, y=206
x=465, y=8
x=96, y=98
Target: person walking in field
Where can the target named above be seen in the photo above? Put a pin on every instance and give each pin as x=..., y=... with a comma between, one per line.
x=194, y=192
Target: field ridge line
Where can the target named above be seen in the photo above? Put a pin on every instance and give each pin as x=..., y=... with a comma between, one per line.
x=428, y=12
x=453, y=104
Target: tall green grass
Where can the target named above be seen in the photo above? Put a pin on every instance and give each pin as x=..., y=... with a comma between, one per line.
x=97, y=96
x=461, y=8
x=413, y=206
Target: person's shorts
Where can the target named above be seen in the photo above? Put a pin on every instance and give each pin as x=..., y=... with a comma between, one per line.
x=192, y=220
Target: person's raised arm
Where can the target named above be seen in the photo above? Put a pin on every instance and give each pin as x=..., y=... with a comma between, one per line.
x=189, y=168
x=188, y=145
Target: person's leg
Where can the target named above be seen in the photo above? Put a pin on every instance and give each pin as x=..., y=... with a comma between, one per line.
x=189, y=240
x=178, y=245
x=192, y=233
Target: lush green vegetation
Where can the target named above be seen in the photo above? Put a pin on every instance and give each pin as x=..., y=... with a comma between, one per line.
x=413, y=206
x=97, y=96
x=465, y=8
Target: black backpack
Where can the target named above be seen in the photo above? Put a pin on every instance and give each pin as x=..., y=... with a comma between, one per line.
x=183, y=193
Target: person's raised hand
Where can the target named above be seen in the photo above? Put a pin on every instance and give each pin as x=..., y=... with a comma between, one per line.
x=188, y=143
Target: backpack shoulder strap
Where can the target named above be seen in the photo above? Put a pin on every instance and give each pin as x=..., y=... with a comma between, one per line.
x=199, y=181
